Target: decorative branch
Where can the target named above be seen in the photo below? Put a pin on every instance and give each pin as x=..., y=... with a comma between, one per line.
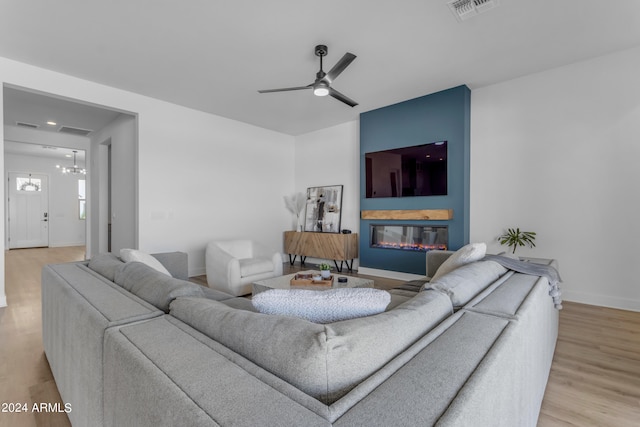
x=295, y=203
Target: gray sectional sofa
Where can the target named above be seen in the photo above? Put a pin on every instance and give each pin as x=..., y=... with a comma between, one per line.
x=129, y=346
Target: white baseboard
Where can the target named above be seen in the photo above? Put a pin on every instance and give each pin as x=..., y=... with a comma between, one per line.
x=601, y=300
x=200, y=271
x=397, y=275
x=3, y=300
x=65, y=245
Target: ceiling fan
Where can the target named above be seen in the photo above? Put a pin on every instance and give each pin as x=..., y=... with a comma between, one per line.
x=322, y=85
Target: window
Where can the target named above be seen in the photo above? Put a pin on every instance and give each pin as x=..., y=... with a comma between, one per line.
x=82, y=199
x=28, y=184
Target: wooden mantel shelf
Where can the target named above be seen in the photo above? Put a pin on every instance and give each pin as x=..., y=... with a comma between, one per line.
x=420, y=214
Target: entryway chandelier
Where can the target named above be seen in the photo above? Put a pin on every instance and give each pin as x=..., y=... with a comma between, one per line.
x=74, y=170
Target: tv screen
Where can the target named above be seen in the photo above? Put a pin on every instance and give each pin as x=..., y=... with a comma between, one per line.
x=420, y=170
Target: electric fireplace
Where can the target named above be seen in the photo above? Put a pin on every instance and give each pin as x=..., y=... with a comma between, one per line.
x=415, y=238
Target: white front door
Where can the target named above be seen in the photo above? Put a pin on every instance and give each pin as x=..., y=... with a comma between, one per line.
x=28, y=210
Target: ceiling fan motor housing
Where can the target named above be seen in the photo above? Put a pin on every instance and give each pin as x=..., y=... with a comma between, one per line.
x=321, y=50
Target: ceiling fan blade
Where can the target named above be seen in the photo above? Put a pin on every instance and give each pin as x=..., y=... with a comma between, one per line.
x=340, y=66
x=340, y=97
x=285, y=89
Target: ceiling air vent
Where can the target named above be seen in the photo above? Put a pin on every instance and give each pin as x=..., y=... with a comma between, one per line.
x=27, y=125
x=74, y=131
x=465, y=9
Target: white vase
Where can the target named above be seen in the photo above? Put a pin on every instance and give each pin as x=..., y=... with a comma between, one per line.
x=325, y=273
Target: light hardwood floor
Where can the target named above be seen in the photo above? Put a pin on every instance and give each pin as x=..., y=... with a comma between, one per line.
x=594, y=381
x=25, y=376
x=595, y=376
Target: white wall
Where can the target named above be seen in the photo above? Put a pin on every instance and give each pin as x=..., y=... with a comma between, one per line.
x=203, y=177
x=121, y=135
x=557, y=153
x=65, y=227
x=331, y=157
x=200, y=176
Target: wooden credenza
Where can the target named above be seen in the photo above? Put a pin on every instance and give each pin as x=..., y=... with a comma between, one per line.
x=338, y=247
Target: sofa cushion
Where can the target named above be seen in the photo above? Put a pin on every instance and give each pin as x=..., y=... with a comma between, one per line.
x=152, y=286
x=326, y=306
x=440, y=374
x=105, y=264
x=130, y=255
x=465, y=255
x=324, y=361
x=239, y=303
x=507, y=298
x=465, y=282
x=215, y=294
x=412, y=285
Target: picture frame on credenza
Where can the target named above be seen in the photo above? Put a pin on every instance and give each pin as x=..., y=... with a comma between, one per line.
x=323, y=209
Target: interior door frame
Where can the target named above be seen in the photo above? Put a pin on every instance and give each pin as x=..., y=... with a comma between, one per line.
x=7, y=210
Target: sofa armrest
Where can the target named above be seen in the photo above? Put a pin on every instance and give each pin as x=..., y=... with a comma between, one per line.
x=223, y=269
x=176, y=262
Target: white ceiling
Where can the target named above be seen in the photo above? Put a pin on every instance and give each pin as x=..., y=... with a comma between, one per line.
x=62, y=156
x=37, y=109
x=214, y=55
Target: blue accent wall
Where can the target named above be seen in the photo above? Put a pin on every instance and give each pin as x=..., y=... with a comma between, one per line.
x=442, y=116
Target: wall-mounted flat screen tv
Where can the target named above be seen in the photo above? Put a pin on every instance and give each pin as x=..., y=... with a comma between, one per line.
x=420, y=170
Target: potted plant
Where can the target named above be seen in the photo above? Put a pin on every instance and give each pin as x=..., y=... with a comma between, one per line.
x=514, y=238
x=325, y=270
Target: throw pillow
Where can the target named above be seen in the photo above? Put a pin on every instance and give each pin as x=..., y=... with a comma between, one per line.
x=154, y=287
x=129, y=255
x=465, y=255
x=327, y=306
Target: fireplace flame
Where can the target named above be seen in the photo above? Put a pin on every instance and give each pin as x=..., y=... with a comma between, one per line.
x=419, y=247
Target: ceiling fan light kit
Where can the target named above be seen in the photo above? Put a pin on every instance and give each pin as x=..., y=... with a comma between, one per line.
x=322, y=85
x=321, y=89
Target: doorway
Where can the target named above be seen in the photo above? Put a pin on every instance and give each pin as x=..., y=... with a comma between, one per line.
x=85, y=127
x=28, y=210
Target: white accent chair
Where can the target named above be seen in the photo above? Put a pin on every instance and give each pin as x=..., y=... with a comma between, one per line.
x=233, y=265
